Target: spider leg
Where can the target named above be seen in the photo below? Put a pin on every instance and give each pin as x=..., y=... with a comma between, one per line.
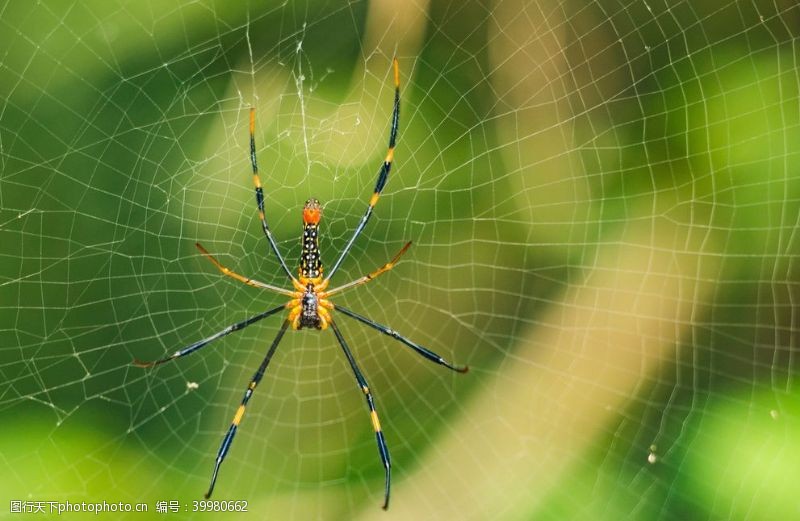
x=197, y=345
x=383, y=174
x=241, y=278
x=427, y=353
x=366, y=278
x=226, y=442
x=260, y=195
x=376, y=424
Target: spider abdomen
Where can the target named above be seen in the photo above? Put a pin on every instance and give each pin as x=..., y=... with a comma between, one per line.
x=310, y=263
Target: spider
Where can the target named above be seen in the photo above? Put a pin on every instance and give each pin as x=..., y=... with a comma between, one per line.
x=309, y=306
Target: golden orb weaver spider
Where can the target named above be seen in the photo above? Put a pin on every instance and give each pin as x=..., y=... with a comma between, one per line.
x=309, y=306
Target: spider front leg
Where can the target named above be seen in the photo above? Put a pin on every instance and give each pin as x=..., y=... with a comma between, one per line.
x=228, y=440
x=324, y=314
x=383, y=450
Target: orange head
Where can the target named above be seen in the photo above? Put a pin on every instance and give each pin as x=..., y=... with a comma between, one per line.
x=312, y=212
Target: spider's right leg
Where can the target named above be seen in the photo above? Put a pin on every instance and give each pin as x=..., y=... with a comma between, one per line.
x=383, y=173
x=383, y=450
x=368, y=277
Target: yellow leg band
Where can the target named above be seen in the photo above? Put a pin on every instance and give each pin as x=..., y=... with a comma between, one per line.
x=239, y=414
x=376, y=424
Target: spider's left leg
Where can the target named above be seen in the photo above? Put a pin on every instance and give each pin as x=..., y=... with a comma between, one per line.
x=376, y=424
x=226, y=442
x=241, y=278
x=383, y=174
x=260, y=195
x=204, y=342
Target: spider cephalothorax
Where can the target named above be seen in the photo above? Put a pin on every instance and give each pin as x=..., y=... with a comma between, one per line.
x=309, y=314
x=308, y=303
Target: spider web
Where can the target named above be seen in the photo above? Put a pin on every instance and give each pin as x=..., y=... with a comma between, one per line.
x=603, y=199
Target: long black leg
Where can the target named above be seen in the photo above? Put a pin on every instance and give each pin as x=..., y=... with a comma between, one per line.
x=226, y=442
x=260, y=195
x=197, y=345
x=383, y=174
x=376, y=424
x=427, y=353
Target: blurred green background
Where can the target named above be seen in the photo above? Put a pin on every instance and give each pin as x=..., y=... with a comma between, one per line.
x=603, y=198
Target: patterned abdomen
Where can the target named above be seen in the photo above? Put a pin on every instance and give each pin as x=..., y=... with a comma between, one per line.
x=310, y=264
